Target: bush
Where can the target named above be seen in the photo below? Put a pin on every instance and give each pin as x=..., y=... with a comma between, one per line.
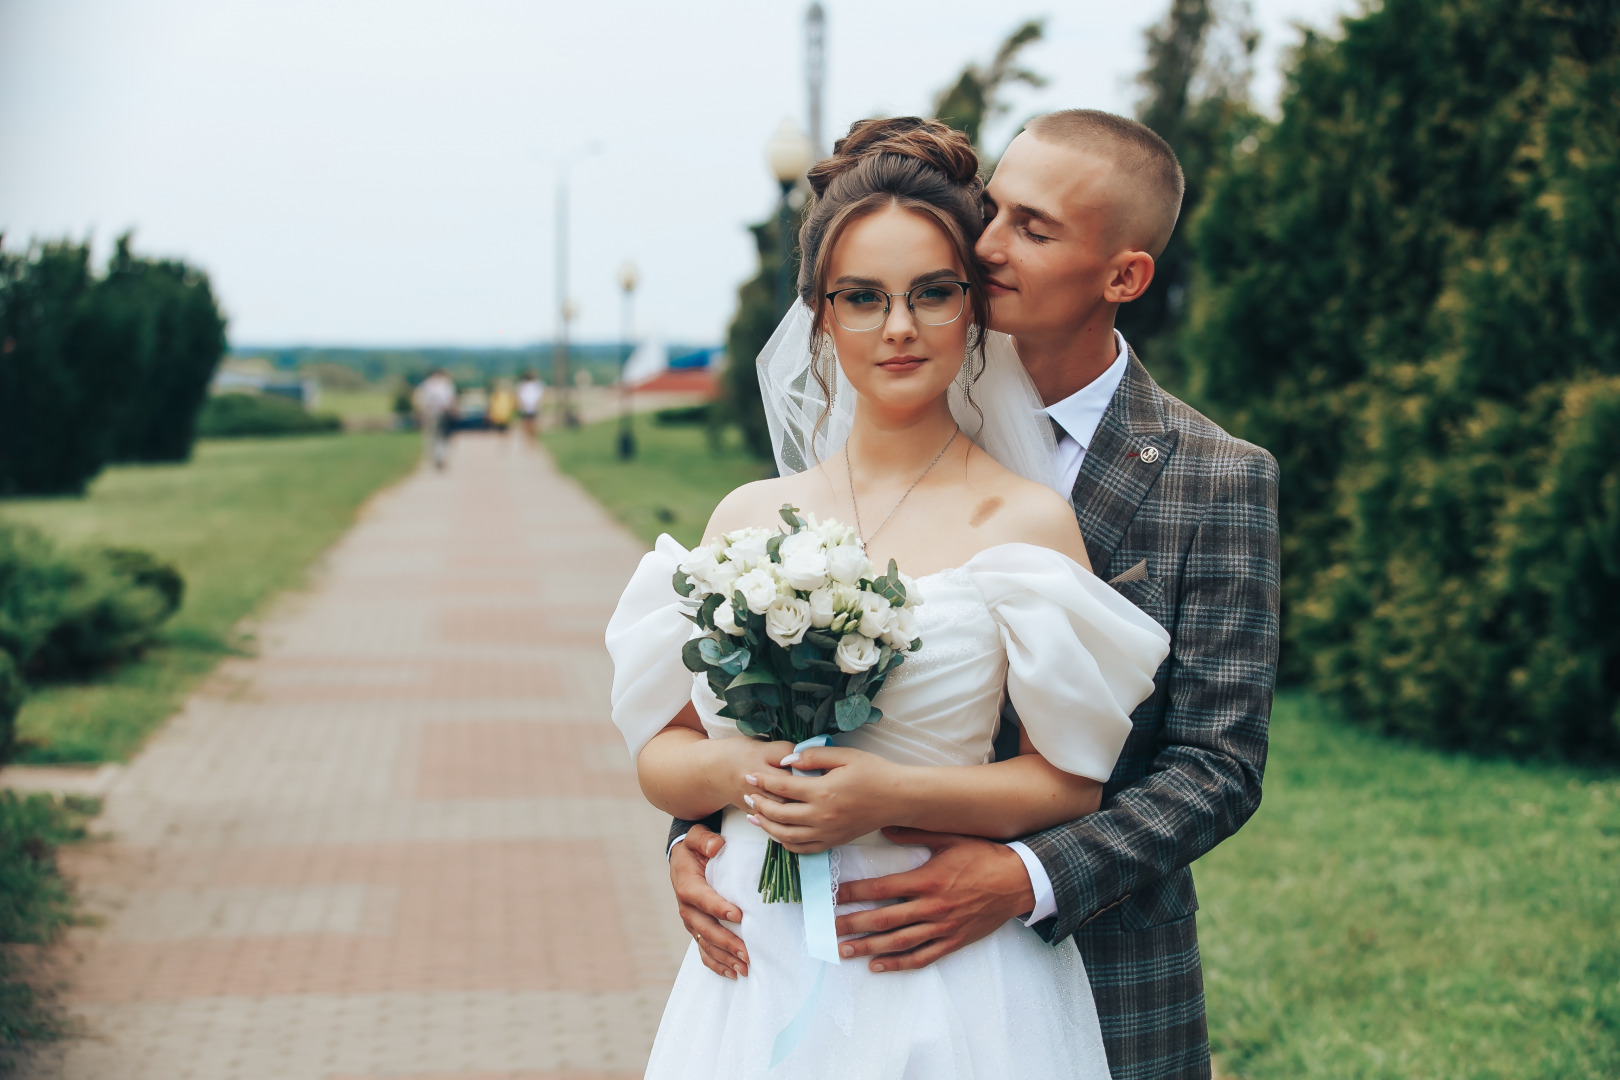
x=234, y=415
x=66, y=615
x=12, y=693
x=177, y=343
x=691, y=414
x=35, y=903
x=1408, y=295
x=64, y=370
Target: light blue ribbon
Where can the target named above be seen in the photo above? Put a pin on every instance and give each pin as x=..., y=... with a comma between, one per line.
x=815, y=885
x=820, y=928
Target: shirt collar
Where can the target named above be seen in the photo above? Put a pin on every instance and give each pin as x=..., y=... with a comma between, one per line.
x=1082, y=411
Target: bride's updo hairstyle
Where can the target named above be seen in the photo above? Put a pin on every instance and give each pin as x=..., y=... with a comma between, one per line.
x=905, y=161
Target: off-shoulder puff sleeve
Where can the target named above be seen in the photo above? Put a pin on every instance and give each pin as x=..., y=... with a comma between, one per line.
x=1080, y=657
x=644, y=639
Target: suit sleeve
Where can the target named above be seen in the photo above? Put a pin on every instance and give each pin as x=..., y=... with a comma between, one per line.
x=1204, y=782
x=679, y=827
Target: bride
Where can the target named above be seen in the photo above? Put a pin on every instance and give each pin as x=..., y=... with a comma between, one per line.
x=892, y=411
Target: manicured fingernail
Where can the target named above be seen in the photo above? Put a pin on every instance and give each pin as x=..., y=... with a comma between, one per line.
x=737, y=968
x=752, y=820
x=877, y=967
x=848, y=950
x=752, y=779
x=731, y=974
x=748, y=800
x=745, y=958
x=790, y=759
x=732, y=916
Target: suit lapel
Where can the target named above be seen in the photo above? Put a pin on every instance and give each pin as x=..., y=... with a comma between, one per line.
x=1120, y=469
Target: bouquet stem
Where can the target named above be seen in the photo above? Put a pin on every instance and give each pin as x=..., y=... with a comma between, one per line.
x=779, y=876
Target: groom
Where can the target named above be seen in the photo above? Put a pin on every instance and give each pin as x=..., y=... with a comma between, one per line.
x=1181, y=518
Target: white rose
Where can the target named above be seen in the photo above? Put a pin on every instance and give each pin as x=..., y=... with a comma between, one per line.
x=700, y=565
x=822, y=607
x=847, y=564
x=902, y=632
x=798, y=543
x=876, y=614
x=914, y=596
x=726, y=619
x=758, y=588
x=723, y=579
x=833, y=533
x=786, y=621
x=856, y=653
x=746, y=547
x=805, y=570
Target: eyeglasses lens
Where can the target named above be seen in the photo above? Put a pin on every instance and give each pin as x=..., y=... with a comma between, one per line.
x=934, y=304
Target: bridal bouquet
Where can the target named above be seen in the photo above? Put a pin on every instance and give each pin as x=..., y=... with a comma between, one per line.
x=799, y=637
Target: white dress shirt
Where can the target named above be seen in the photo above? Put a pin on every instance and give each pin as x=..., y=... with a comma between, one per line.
x=1079, y=414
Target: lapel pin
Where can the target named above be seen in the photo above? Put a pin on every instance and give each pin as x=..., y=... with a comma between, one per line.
x=1150, y=454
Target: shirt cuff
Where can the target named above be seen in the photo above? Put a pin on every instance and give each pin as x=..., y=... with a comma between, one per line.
x=671, y=850
x=1045, y=898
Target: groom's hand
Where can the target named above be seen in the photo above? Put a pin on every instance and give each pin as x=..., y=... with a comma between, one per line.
x=702, y=908
x=963, y=893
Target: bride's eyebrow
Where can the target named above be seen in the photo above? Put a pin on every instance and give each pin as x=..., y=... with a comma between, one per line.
x=851, y=279
x=932, y=274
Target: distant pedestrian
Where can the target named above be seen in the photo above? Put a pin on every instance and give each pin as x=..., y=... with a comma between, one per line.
x=433, y=401
x=502, y=405
x=530, y=392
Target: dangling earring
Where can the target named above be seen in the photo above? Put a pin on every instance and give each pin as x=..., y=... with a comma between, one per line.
x=968, y=375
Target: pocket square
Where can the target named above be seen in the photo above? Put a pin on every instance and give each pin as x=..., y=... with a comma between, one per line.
x=1135, y=573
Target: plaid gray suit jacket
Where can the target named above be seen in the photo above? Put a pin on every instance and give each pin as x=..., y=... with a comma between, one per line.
x=1164, y=486
x=1161, y=484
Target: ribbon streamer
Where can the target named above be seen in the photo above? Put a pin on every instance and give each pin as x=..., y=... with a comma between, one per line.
x=820, y=928
x=815, y=885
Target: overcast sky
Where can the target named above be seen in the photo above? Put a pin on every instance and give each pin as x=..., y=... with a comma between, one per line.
x=384, y=171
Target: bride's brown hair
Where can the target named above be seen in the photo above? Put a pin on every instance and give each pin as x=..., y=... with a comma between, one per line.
x=905, y=161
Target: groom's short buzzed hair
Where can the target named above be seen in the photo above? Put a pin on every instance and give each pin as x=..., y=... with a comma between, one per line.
x=1138, y=151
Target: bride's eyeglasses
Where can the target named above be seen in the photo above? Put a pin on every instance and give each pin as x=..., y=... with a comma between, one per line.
x=933, y=303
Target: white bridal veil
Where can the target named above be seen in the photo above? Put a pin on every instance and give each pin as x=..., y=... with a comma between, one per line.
x=1013, y=429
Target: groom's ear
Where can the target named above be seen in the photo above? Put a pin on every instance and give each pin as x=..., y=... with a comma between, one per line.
x=1133, y=273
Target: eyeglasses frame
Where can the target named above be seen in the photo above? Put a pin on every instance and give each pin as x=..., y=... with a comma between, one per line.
x=888, y=302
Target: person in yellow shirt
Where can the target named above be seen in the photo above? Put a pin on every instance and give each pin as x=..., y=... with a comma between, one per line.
x=502, y=406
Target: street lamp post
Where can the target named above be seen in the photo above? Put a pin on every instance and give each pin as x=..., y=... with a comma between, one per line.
x=566, y=308
x=789, y=153
x=627, y=436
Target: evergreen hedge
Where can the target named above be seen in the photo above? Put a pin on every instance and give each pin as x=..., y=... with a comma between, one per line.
x=233, y=415
x=1408, y=293
x=96, y=369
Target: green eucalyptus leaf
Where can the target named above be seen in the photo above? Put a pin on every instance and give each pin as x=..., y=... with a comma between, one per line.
x=820, y=639
x=692, y=655
x=683, y=583
x=773, y=547
x=790, y=514
x=705, y=615
x=852, y=712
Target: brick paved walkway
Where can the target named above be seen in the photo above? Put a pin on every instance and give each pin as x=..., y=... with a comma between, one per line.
x=404, y=841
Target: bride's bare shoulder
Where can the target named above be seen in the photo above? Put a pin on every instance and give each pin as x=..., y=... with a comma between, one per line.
x=1011, y=509
x=755, y=505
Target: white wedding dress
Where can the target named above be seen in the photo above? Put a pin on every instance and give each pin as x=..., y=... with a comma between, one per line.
x=1075, y=658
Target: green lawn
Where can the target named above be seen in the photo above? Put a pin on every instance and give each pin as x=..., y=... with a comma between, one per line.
x=672, y=484
x=242, y=521
x=1390, y=912
x=372, y=402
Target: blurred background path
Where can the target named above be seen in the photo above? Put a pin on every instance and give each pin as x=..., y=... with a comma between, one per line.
x=404, y=840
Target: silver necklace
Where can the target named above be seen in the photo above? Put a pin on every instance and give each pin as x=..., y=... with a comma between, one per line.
x=849, y=471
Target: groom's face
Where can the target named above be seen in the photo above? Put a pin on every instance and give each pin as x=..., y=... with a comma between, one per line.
x=1048, y=251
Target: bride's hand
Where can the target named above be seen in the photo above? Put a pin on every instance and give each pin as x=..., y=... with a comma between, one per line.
x=742, y=762
x=855, y=796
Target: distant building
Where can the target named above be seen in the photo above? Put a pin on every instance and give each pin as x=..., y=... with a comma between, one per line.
x=652, y=370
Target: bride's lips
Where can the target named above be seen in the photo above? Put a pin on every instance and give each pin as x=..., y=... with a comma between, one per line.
x=997, y=286
x=902, y=363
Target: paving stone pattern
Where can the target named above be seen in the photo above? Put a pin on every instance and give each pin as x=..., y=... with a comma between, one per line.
x=403, y=842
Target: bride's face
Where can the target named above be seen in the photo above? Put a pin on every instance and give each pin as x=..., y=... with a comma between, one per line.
x=903, y=364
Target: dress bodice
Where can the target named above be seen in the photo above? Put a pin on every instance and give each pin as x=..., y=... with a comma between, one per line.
x=1074, y=657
